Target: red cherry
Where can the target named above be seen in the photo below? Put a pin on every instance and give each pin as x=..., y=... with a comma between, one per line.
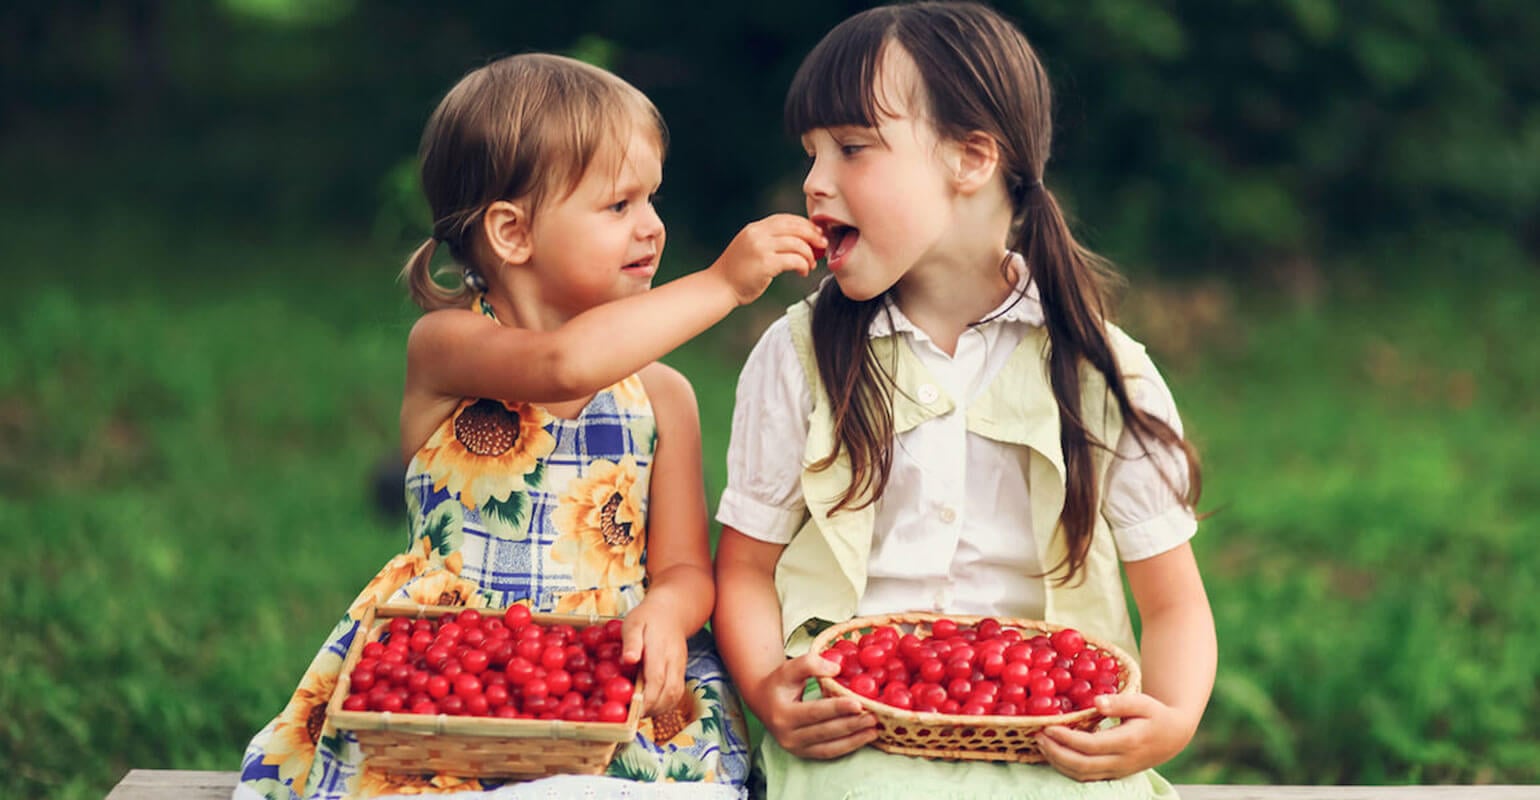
x=516, y=616
x=553, y=657
x=466, y=684
x=497, y=695
x=475, y=661
x=362, y=680
x=477, y=705
x=558, y=681
x=427, y=707
x=1068, y=641
x=612, y=711
x=1042, y=705
x=618, y=689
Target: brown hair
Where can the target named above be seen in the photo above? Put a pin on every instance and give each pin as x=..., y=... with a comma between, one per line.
x=977, y=73
x=522, y=127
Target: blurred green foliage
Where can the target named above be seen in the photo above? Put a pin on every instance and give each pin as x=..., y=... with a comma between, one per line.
x=1194, y=135
x=1329, y=208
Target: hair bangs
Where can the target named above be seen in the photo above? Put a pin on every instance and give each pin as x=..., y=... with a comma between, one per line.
x=837, y=82
x=587, y=122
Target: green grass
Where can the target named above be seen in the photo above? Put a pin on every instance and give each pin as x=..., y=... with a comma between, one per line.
x=189, y=419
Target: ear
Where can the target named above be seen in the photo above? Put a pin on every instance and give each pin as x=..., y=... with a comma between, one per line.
x=507, y=230
x=975, y=161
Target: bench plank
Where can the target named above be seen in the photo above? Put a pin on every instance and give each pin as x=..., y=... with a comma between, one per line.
x=174, y=784
x=170, y=784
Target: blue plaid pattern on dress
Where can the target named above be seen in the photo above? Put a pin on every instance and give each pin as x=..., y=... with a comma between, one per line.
x=514, y=563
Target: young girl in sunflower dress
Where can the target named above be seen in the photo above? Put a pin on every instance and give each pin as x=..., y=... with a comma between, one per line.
x=551, y=460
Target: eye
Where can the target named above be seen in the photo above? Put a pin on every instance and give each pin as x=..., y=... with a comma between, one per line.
x=620, y=207
x=848, y=150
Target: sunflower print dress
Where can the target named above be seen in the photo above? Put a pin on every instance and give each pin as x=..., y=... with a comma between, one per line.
x=509, y=504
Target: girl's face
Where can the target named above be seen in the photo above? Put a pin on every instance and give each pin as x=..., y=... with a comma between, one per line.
x=603, y=241
x=881, y=194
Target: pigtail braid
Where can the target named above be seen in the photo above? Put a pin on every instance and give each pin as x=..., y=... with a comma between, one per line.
x=1074, y=285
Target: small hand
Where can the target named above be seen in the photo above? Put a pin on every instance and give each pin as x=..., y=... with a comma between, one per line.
x=766, y=248
x=816, y=729
x=661, y=649
x=1151, y=734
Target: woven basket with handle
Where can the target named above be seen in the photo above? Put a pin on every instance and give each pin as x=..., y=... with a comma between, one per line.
x=476, y=747
x=957, y=736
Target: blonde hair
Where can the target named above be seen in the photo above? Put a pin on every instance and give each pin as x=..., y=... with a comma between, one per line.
x=524, y=127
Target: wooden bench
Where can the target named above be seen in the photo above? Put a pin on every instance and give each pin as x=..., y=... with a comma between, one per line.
x=166, y=784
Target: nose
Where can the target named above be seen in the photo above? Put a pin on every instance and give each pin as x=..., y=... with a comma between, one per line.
x=651, y=224
x=817, y=183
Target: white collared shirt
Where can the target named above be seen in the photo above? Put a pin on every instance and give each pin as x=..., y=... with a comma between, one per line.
x=953, y=528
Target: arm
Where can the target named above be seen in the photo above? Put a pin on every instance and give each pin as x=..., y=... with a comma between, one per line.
x=748, y=631
x=1180, y=653
x=680, y=592
x=458, y=353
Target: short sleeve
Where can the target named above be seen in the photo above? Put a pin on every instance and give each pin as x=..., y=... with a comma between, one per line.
x=763, y=498
x=1146, y=515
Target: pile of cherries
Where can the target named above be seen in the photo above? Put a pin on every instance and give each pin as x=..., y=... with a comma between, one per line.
x=489, y=665
x=984, y=669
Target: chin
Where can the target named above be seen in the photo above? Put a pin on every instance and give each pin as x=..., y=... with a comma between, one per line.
x=857, y=291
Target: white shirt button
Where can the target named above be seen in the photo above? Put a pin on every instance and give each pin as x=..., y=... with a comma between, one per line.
x=948, y=516
x=927, y=393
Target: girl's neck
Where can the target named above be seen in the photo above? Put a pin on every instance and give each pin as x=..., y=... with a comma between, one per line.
x=946, y=295
x=520, y=307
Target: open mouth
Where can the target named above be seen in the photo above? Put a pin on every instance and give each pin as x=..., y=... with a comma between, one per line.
x=841, y=239
x=646, y=263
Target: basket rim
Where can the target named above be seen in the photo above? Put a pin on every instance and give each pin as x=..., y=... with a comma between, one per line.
x=832, y=687
x=481, y=727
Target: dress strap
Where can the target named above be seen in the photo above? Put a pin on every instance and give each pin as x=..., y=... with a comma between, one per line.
x=485, y=306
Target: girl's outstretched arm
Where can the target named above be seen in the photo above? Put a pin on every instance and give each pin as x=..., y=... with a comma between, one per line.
x=1179, y=652
x=680, y=592
x=747, y=625
x=458, y=353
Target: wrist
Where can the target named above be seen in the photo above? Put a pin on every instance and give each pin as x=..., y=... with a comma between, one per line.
x=722, y=284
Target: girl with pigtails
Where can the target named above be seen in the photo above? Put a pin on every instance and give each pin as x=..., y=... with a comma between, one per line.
x=952, y=424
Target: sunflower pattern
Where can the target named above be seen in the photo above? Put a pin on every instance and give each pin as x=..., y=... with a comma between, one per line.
x=510, y=504
x=488, y=450
x=601, y=530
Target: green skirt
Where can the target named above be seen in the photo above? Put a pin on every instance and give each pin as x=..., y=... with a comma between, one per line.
x=870, y=774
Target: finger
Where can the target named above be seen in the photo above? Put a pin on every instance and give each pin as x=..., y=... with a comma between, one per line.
x=1081, y=741
x=825, y=728
x=809, y=665
x=664, y=676
x=1128, y=705
x=794, y=224
x=834, y=748
x=810, y=713
x=652, y=686
x=1062, y=758
x=633, y=637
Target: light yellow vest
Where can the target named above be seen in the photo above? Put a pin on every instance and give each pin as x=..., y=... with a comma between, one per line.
x=821, y=574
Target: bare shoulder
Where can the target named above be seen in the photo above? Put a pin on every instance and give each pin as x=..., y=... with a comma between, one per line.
x=435, y=330
x=668, y=389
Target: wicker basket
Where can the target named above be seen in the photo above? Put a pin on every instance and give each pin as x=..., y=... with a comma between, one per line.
x=957, y=736
x=476, y=747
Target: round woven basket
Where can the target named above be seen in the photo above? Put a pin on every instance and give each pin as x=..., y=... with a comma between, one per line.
x=476, y=747
x=959, y=736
